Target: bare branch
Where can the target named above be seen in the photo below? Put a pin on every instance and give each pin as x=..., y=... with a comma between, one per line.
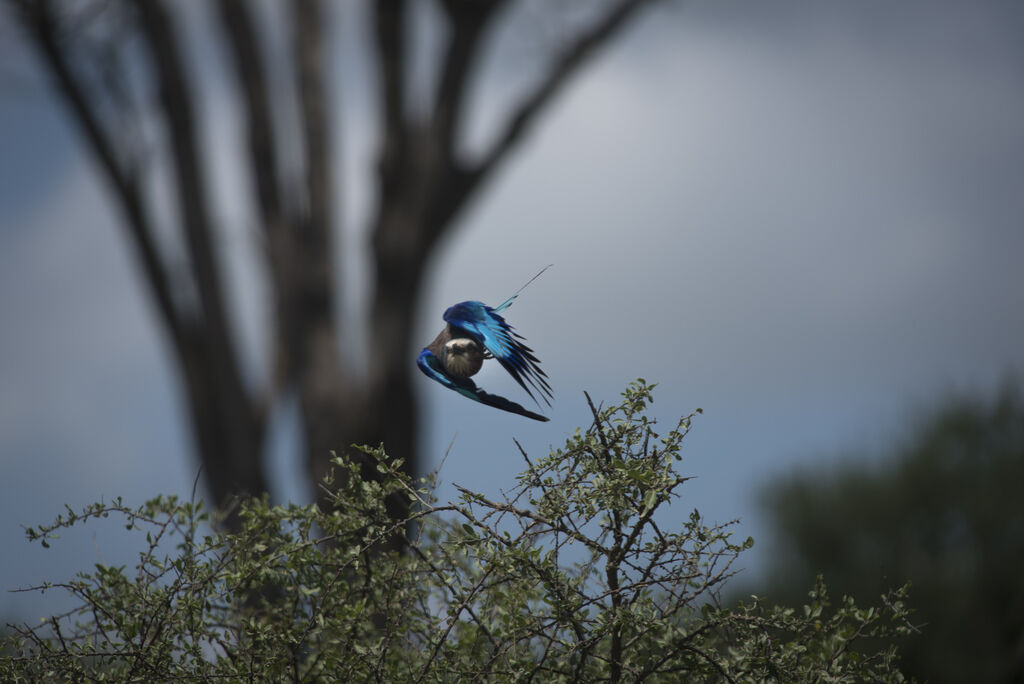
x=468, y=22
x=241, y=32
x=317, y=286
x=308, y=45
x=42, y=24
x=390, y=16
x=229, y=424
x=313, y=289
x=574, y=56
x=238, y=25
x=177, y=100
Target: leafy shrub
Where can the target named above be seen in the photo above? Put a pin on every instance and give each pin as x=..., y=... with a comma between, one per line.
x=573, y=575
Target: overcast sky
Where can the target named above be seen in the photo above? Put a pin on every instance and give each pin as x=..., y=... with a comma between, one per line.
x=805, y=218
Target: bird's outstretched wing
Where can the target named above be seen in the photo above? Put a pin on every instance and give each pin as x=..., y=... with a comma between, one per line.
x=434, y=369
x=485, y=325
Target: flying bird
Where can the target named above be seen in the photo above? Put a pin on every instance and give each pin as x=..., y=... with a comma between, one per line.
x=473, y=333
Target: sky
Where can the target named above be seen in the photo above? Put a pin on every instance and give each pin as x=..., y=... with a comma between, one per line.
x=805, y=218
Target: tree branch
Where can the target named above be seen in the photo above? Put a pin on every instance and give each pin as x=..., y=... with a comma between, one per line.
x=265, y=174
x=41, y=23
x=237, y=22
x=317, y=362
x=229, y=425
x=176, y=102
x=315, y=246
x=309, y=60
x=571, y=60
x=390, y=18
x=467, y=23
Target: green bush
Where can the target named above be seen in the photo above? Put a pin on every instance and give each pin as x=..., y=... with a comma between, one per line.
x=573, y=575
x=939, y=508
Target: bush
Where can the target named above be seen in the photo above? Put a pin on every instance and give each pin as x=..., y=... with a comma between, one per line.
x=939, y=508
x=574, y=575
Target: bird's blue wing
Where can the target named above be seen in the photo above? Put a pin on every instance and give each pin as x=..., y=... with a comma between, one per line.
x=490, y=329
x=433, y=369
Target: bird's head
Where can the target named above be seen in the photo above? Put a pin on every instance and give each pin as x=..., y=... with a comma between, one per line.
x=463, y=357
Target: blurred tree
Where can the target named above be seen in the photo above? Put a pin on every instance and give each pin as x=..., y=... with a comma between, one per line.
x=946, y=512
x=122, y=68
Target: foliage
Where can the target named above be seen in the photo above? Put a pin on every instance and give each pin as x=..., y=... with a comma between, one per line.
x=942, y=511
x=574, y=575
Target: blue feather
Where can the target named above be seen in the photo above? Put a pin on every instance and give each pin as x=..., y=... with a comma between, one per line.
x=484, y=325
x=433, y=368
x=508, y=302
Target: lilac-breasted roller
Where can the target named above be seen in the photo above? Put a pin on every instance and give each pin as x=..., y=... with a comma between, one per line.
x=475, y=332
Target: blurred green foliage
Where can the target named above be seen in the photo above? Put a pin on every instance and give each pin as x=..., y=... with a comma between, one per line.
x=575, y=574
x=944, y=511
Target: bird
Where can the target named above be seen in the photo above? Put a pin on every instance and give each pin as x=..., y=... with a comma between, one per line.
x=473, y=333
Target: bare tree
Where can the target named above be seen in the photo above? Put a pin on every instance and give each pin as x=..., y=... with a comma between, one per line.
x=121, y=67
